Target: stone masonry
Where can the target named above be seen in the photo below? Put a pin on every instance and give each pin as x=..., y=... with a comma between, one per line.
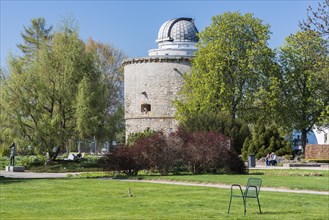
x=154, y=82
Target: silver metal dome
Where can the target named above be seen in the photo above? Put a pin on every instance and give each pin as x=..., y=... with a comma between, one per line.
x=178, y=30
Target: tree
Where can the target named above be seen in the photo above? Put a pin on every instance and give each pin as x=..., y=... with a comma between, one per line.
x=317, y=20
x=236, y=130
x=35, y=36
x=265, y=139
x=300, y=91
x=108, y=62
x=43, y=98
x=232, y=60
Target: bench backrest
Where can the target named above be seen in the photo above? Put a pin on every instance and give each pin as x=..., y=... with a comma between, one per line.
x=250, y=188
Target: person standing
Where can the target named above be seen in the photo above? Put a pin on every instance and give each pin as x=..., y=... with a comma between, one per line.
x=12, y=154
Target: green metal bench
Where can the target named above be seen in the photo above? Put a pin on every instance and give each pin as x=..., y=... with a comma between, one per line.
x=252, y=191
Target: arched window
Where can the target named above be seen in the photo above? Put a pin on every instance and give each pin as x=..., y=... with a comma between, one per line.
x=145, y=108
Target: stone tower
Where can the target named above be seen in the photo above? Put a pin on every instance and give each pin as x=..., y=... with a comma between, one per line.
x=151, y=83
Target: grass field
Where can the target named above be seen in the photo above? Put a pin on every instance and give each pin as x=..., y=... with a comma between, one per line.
x=82, y=198
x=290, y=179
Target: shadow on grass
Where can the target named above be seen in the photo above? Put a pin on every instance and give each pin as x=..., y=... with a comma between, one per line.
x=280, y=212
x=10, y=180
x=7, y=180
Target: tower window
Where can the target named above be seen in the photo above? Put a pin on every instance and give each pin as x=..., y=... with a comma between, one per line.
x=145, y=108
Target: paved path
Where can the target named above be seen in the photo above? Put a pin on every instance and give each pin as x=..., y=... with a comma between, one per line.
x=31, y=175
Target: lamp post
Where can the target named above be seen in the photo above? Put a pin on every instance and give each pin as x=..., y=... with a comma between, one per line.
x=95, y=144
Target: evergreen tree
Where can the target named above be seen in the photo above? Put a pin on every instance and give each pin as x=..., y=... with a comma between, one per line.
x=265, y=139
x=35, y=36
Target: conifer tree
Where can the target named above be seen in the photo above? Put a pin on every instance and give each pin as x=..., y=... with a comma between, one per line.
x=35, y=36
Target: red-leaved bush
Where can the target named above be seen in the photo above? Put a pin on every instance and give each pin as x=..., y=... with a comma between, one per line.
x=196, y=152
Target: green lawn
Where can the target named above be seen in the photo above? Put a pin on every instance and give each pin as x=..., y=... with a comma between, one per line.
x=74, y=198
x=291, y=179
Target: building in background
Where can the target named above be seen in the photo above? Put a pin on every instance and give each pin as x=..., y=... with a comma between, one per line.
x=316, y=136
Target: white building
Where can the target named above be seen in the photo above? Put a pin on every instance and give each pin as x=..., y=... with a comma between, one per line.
x=316, y=136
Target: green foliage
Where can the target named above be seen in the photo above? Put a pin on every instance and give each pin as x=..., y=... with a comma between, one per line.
x=4, y=161
x=87, y=164
x=4, y=151
x=229, y=68
x=107, y=61
x=58, y=92
x=299, y=92
x=265, y=139
x=35, y=37
x=40, y=94
x=236, y=130
x=27, y=161
x=133, y=137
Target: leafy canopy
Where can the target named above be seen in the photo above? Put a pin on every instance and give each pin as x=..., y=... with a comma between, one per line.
x=299, y=93
x=60, y=95
x=230, y=66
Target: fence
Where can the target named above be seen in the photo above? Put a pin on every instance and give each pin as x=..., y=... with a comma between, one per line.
x=90, y=146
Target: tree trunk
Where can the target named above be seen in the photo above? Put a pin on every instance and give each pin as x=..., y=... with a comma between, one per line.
x=53, y=155
x=304, y=139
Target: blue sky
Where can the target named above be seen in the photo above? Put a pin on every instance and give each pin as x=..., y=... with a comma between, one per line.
x=132, y=26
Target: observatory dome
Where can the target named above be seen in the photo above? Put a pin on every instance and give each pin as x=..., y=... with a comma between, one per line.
x=178, y=30
x=176, y=37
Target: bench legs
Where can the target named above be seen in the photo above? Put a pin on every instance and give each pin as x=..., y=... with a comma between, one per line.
x=229, y=206
x=244, y=205
x=259, y=205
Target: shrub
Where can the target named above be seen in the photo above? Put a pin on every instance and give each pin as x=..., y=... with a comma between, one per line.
x=210, y=152
x=128, y=160
x=29, y=161
x=4, y=161
x=133, y=137
x=159, y=153
x=196, y=152
x=4, y=151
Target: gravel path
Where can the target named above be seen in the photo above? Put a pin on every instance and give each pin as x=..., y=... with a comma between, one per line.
x=223, y=186
x=32, y=175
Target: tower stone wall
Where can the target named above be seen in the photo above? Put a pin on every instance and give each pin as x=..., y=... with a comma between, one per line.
x=151, y=85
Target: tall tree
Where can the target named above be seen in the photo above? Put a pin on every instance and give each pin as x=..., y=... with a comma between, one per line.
x=318, y=19
x=232, y=60
x=300, y=91
x=41, y=97
x=35, y=36
x=108, y=62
